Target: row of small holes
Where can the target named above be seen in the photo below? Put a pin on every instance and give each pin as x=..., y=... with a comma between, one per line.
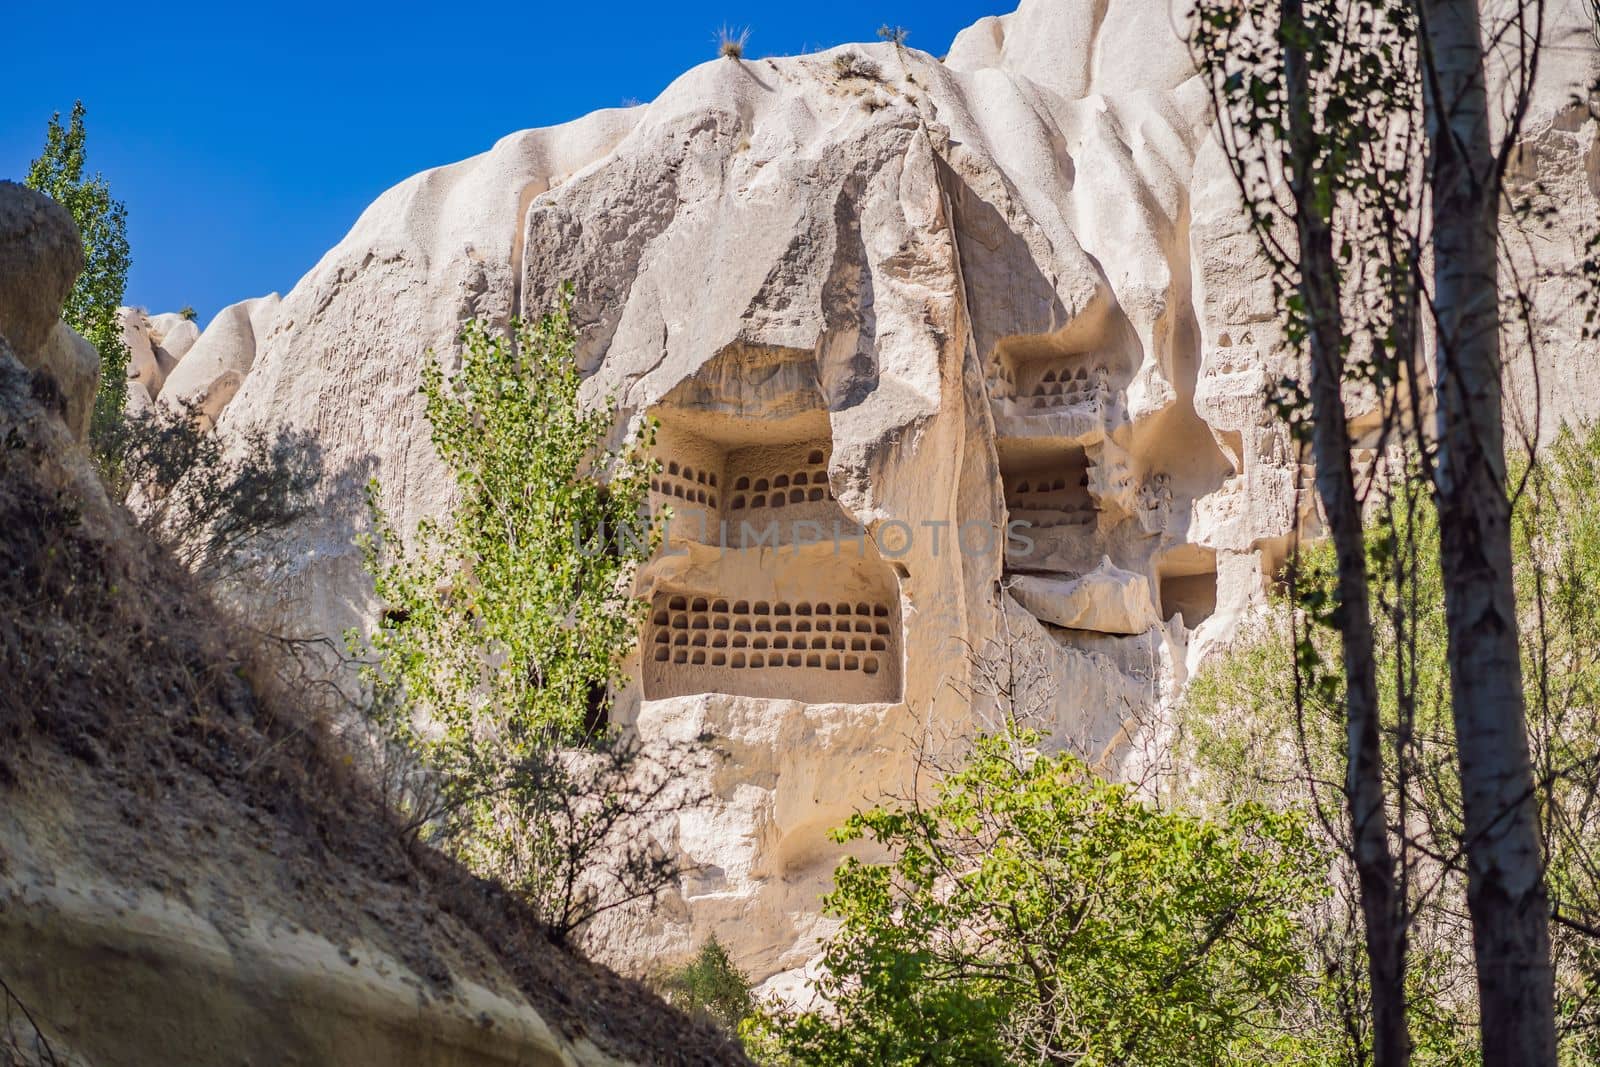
x=782, y=481
x=761, y=607
x=782, y=489
x=1057, y=486
x=689, y=474
x=757, y=660
x=1064, y=386
x=691, y=495
x=820, y=642
x=777, y=500
x=764, y=625
x=1065, y=375
x=1062, y=389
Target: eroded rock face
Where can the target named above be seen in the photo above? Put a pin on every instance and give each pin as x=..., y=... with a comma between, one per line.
x=214, y=363
x=945, y=355
x=40, y=257
x=157, y=344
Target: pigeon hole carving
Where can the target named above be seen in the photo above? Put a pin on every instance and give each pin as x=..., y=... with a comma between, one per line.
x=1040, y=381
x=784, y=598
x=770, y=484
x=780, y=493
x=818, y=651
x=1061, y=385
x=690, y=482
x=1058, y=411
x=759, y=491
x=1053, y=494
x=687, y=484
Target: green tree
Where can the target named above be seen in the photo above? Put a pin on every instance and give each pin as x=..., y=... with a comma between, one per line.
x=1030, y=912
x=91, y=307
x=1337, y=118
x=711, y=984
x=504, y=628
x=518, y=604
x=1250, y=738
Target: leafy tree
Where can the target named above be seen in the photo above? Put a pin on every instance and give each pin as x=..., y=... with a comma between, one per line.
x=711, y=984
x=504, y=628
x=1507, y=896
x=91, y=307
x=517, y=567
x=1316, y=91
x=1391, y=148
x=1030, y=913
x=1250, y=739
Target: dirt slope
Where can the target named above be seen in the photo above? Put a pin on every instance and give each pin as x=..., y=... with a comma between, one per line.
x=189, y=870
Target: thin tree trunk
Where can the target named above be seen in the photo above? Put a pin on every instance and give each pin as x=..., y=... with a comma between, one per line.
x=1330, y=445
x=1506, y=896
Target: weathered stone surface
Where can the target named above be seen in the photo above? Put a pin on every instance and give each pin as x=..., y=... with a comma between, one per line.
x=215, y=363
x=75, y=365
x=156, y=344
x=160, y=905
x=40, y=258
x=174, y=333
x=144, y=369
x=211, y=990
x=1107, y=600
x=993, y=317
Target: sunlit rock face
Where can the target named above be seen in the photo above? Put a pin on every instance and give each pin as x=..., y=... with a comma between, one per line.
x=947, y=357
x=40, y=255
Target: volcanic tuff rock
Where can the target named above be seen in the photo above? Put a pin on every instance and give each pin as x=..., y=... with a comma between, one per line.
x=40, y=256
x=938, y=327
x=156, y=344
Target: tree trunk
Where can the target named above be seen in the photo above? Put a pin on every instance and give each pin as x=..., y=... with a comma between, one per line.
x=1506, y=896
x=1382, y=910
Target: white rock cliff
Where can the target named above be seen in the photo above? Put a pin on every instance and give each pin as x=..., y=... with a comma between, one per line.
x=948, y=326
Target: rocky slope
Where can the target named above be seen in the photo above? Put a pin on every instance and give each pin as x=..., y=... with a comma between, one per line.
x=190, y=869
x=885, y=307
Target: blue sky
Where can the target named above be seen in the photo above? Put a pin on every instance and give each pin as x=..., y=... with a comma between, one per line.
x=246, y=138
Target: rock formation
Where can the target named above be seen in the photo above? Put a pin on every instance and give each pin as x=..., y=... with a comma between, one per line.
x=217, y=363
x=156, y=343
x=944, y=354
x=40, y=258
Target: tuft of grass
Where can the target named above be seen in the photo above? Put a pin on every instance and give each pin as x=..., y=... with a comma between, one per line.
x=854, y=65
x=189, y=313
x=731, y=42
